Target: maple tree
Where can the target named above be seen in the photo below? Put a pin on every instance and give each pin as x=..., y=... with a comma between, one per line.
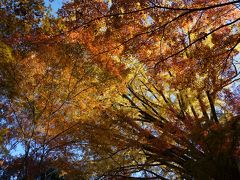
x=58, y=91
x=120, y=89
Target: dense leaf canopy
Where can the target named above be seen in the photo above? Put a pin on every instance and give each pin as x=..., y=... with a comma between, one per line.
x=120, y=89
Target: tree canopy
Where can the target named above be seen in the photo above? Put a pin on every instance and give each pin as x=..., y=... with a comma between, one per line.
x=120, y=89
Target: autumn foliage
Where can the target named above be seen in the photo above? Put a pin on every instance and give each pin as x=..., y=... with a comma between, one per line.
x=113, y=89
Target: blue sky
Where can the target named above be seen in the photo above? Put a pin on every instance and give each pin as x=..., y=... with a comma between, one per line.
x=56, y=4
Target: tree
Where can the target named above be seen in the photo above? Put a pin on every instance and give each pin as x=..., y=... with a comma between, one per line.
x=172, y=133
x=57, y=92
x=20, y=18
x=178, y=43
x=120, y=89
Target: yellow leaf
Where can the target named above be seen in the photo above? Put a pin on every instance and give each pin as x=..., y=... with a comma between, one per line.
x=208, y=41
x=238, y=47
